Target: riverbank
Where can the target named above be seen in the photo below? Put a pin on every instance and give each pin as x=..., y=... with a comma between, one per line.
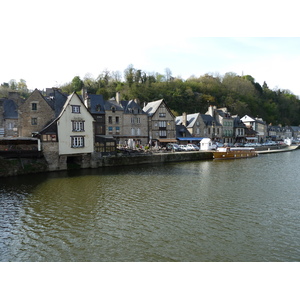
x=22, y=166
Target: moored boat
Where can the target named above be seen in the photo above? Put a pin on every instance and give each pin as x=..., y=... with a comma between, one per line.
x=234, y=152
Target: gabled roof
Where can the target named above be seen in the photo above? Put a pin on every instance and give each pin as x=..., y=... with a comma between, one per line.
x=52, y=126
x=56, y=100
x=131, y=107
x=237, y=122
x=97, y=105
x=152, y=107
x=246, y=118
x=191, y=119
x=208, y=120
x=112, y=103
x=181, y=131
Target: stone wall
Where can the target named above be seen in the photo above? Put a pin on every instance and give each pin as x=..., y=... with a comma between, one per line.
x=50, y=162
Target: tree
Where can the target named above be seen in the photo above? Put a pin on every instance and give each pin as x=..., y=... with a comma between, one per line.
x=77, y=84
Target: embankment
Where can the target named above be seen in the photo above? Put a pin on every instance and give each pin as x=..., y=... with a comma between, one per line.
x=21, y=166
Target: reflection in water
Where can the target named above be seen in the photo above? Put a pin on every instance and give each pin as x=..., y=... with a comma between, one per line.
x=239, y=210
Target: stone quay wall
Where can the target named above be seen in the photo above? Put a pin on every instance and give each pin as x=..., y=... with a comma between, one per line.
x=48, y=163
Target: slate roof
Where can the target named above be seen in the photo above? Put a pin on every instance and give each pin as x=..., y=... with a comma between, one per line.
x=97, y=104
x=152, y=107
x=132, y=107
x=10, y=109
x=181, y=131
x=237, y=122
x=208, y=120
x=56, y=100
x=191, y=119
x=113, y=103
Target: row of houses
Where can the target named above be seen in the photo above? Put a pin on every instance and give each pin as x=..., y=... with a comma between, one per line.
x=79, y=124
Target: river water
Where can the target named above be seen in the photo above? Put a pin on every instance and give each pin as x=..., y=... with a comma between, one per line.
x=235, y=210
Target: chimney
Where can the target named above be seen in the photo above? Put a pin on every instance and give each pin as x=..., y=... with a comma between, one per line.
x=184, y=119
x=118, y=97
x=87, y=102
x=137, y=101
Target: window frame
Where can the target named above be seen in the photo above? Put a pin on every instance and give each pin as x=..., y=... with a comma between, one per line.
x=75, y=109
x=77, y=141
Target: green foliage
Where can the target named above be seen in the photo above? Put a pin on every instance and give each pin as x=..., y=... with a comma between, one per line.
x=77, y=84
x=240, y=94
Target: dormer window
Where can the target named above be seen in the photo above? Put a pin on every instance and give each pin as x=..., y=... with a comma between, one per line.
x=75, y=109
x=113, y=109
x=98, y=107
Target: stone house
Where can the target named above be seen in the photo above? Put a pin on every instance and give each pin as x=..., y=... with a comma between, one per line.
x=212, y=129
x=97, y=107
x=193, y=122
x=34, y=114
x=161, y=122
x=276, y=132
x=223, y=117
x=134, y=123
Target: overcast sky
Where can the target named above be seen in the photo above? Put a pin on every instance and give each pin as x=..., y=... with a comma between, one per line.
x=47, y=43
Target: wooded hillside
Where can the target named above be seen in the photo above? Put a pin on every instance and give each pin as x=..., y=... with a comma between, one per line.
x=240, y=94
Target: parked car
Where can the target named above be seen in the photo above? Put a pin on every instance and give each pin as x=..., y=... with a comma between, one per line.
x=173, y=147
x=183, y=147
x=218, y=144
x=193, y=147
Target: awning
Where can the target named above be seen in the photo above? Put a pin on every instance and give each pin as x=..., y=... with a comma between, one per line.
x=167, y=141
x=190, y=138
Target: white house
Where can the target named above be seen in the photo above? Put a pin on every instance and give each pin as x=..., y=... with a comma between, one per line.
x=75, y=128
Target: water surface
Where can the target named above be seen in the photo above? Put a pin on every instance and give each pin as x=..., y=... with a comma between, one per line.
x=235, y=210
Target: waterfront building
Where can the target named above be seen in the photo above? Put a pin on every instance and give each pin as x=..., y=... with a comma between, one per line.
x=223, y=117
x=258, y=125
x=295, y=132
x=38, y=111
x=239, y=129
x=161, y=122
x=70, y=136
x=9, y=117
x=134, y=123
x=193, y=122
x=212, y=129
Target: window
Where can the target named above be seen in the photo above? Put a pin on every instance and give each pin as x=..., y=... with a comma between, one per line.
x=113, y=109
x=138, y=131
x=110, y=129
x=163, y=133
x=110, y=119
x=77, y=141
x=117, y=120
x=162, y=124
x=117, y=130
x=78, y=125
x=75, y=109
x=162, y=112
x=33, y=106
x=33, y=121
x=132, y=131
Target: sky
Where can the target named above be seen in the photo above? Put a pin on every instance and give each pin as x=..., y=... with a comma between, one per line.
x=48, y=43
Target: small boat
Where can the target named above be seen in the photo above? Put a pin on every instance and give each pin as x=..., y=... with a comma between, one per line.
x=234, y=152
